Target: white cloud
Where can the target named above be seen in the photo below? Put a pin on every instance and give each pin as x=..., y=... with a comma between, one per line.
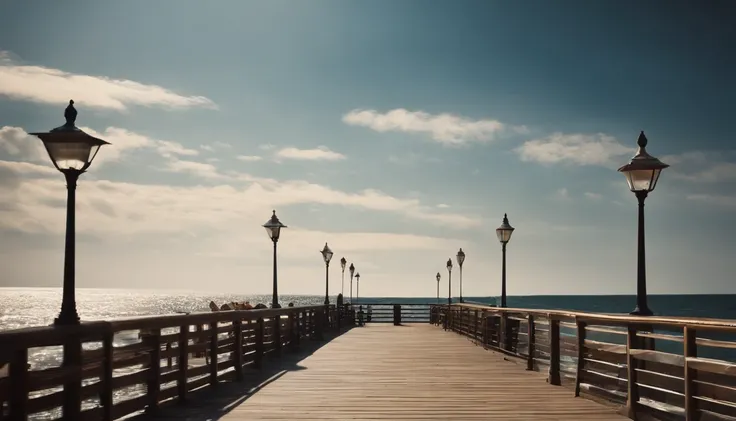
x=249, y=158
x=18, y=144
x=156, y=207
x=443, y=206
x=702, y=166
x=580, y=149
x=191, y=167
x=15, y=142
x=321, y=153
x=267, y=146
x=444, y=128
x=125, y=209
x=593, y=196
x=54, y=86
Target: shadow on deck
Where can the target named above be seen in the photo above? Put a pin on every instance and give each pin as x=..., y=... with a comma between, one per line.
x=391, y=373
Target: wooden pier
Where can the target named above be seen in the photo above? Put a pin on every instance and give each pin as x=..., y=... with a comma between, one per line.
x=468, y=363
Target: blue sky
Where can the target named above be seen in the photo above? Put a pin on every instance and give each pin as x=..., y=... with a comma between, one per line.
x=396, y=131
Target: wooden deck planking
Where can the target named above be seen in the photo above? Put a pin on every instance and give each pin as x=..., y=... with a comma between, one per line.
x=414, y=372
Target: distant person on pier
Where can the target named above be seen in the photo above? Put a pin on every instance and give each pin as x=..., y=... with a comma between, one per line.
x=260, y=306
x=248, y=306
x=291, y=304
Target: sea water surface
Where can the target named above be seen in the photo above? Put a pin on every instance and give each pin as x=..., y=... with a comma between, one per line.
x=26, y=307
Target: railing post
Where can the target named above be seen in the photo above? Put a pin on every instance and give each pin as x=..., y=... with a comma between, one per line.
x=152, y=339
x=106, y=378
x=72, y=406
x=293, y=332
x=238, y=353
x=338, y=318
x=397, y=314
x=300, y=317
x=530, y=343
x=213, y=351
x=19, y=385
x=475, y=325
x=276, y=336
x=581, y=355
x=690, y=351
x=632, y=399
x=183, y=362
x=554, y=351
x=320, y=325
x=258, y=358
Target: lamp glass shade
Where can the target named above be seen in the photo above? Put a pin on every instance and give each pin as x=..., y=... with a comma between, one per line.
x=326, y=253
x=460, y=257
x=642, y=180
x=438, y=276
x=352, y=269
x=357, y=276
x=449, y=264
x=71, y=155
x=273, y=227
x=504, y=231
x=343, y=262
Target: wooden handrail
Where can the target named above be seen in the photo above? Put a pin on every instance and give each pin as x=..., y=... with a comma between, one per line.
x=613, y=356
x=222, y=344
x=694, y=322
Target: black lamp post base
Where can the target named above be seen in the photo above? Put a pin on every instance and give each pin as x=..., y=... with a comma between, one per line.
x=276, y=305
x=644, y=311
x=327, y=302
x=67, y=319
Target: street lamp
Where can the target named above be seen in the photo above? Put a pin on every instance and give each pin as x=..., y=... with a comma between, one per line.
x=327, y=256
x=504, y=232
x=460, y=260
x=642, y=174
x=357, y=286
x=273, y=228
x=449, y=281
x=343, y=262
x=71, y=151
x=352, y=271
x=438, y=287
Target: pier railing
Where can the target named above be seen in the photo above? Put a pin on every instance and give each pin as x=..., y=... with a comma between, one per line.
x=665, y=367
x=107, y=370
x=396, y=313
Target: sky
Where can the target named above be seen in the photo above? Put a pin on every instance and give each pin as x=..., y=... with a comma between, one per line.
x=397, y=132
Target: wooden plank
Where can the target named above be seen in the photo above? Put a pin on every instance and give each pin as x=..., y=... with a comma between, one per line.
x=419, y=372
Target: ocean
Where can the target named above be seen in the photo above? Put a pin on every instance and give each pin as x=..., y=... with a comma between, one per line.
x=26, y=307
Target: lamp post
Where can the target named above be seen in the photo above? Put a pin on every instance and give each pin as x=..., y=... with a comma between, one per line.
x=642, y=174
x=503, y=232
x=357, y=286
x=449, y=281
x=438, y=287
x=327, y=256
x=71, y=151
x=352, y=272
x=273, y=228
x=460, y=260
x=343, y=262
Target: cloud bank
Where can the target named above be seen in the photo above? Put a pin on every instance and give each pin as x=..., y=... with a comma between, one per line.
x=447, y=129
x=54, y=86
